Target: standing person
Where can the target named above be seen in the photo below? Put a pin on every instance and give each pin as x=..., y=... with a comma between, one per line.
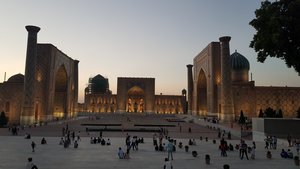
x=289, y=139
x=274, y=142
x=170, y=149
x=100, y=135
x=297, y=146
x=78, y=136
x=30, y=164
x=244, y=150
x=168, y=164
x=33, y=145
x=253, y=150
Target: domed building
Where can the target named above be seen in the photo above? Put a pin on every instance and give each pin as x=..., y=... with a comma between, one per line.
x=47, y=91
x=239, y=67
x=219, y=86
x=11, y=96
x=134, y=95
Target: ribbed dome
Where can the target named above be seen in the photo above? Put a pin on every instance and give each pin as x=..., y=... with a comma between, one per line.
x=239, y=62
x=18, y=78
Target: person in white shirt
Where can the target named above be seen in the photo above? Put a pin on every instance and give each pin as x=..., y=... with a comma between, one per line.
x=168, y=164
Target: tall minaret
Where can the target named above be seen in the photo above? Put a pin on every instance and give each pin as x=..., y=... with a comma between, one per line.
x=75, y=87
x=190, y=87
x=27, y=114
x=227, y=113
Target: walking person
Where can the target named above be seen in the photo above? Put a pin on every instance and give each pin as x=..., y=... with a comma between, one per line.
x=170, y=149
x=289, y=139
x=33, y=146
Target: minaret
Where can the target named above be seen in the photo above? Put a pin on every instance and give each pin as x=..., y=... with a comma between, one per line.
x=76, y=62
x=227, y=113
x=190, y=87
x=27, y=114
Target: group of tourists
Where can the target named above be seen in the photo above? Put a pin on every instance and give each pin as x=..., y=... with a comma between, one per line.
x=271, y=142
x=99, y=140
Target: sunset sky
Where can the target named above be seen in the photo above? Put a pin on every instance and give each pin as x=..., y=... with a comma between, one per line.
x=135, y=38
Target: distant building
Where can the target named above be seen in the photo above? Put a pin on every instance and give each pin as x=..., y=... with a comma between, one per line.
x=218, y=85
x=134, y=95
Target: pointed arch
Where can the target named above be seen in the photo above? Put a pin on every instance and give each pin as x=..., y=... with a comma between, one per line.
x=202, y=93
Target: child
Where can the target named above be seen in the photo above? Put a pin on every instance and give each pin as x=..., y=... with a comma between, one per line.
x=168, y=164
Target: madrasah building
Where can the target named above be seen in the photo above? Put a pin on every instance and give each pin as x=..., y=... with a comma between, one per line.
x=218, y=86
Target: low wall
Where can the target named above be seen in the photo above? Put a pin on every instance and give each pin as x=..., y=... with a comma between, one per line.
x=263, y=127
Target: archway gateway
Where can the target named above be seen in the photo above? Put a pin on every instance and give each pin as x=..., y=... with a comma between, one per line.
x=50, y=83
x=135, y=100
x=202, y=94
x=60, y=94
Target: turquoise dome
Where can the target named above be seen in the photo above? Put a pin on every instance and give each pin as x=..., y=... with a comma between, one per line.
x=239, y=62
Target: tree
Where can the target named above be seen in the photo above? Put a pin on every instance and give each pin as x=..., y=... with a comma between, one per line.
x=261, y=114
x=278, y=32
x=3, y=119
x=279, y=114
x=298, y=113
x=242, y=119
x=269, y=112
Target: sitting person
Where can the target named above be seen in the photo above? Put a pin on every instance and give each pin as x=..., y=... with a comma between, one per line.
x=180, y=145
x=108, y=142
x=43, y=141
x=61, y=142
x=98, y=140
x=102, y=142
x=161, y=148
x=75, y=144
x=92, y=140
x=27, y=136
x=283, y=154
x=290, y=154
x=230, y=147
x=269, y=155
x=121, y=153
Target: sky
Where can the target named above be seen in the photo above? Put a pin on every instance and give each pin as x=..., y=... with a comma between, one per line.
x=135, y=38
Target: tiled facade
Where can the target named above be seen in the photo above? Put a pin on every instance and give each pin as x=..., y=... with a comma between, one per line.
x=207, y=99
x=135, y=95
x=49, y=89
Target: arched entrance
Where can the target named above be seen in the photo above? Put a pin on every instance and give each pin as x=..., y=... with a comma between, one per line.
x=135, y=100
x=202, y=94
x=60, y=94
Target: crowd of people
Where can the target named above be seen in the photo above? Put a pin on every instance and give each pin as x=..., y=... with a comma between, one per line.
x=162, y=142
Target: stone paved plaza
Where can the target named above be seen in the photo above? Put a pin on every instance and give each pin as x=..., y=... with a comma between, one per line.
x=14, y=151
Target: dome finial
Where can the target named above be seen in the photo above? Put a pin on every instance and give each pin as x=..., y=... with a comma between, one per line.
x=235, y=50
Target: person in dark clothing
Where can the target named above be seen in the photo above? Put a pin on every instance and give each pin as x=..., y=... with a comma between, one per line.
x=244, y=150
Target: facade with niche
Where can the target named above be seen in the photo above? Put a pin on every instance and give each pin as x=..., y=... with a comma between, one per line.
x=219, y=86
x=134, y=95
x=47, y=91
